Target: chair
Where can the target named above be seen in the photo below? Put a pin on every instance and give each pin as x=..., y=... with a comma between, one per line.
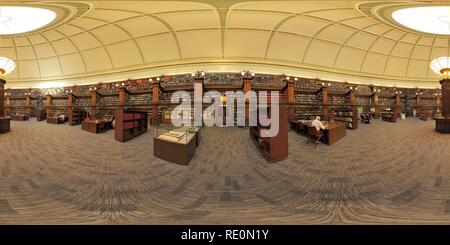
x=314, y=135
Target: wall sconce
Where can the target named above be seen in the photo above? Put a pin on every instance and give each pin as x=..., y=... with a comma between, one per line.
x=150, y=79
x=295, y=78
x=158, y=79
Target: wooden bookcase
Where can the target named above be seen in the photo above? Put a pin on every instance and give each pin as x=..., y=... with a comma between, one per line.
x=272, y=148
x=388, y=116
x=347, y=116
x=129, y=124
x=423, y=115
x=41, y=115
x=77, y=117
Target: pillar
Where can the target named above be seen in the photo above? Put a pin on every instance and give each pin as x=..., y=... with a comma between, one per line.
x=122, y=96
x=397, y=105
x=198, y=101
x=28, y=104
x=94, y=95
x=325, y=103
x=4, y=121
x=417, y=102
x=155, y=100
x=290, y=98
x=375, y=103
x=7, y=109
x=70, y=100
x=247, y=86
x=49, y=104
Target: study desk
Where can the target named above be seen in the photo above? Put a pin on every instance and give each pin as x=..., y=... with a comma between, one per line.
x=20, y=117
x=332, y=133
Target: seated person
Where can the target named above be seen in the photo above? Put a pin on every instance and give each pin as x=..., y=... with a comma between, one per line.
x=317, y=124
x=62, y=117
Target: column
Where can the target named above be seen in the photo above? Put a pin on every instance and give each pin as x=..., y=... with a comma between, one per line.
x=397, y=105
x=122, y=96
x=325, y=103
x=374, y=102
x=198, y=101
x=155, y=100
x=49, y=104
x=8, y=105
x=247, y=86
x=290, y=98
x=28, y=103
x=352, y=95
x=4, y=121
x=417, y=102
x=70, y=100
x=94, y=95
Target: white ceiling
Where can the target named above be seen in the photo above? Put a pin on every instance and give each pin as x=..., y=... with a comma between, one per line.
x=116, y=36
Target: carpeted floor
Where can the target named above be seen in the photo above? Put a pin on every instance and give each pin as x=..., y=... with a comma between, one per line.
x=381, y=173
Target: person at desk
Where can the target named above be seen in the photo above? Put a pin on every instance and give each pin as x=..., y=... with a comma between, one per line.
x=317, y=124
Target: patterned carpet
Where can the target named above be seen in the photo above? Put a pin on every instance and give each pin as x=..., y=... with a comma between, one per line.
x=381, y=173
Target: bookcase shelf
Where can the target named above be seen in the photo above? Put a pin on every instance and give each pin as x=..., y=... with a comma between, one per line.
x=346, y=116
x=129, y=124
x=77, y=117
x=388, y=115
x=272, y=148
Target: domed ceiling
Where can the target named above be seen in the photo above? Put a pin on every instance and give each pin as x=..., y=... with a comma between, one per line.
x=106, y=37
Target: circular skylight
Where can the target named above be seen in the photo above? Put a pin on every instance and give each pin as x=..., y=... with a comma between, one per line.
x=16, y=20
x=440, y=63
x=7, y=65
x=435, y=20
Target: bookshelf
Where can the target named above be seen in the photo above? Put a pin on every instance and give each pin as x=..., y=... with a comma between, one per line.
x=346, y=116
x=77, y=117
x=423, y=115
x=388, y=115
x=41, y=115
x=129, y=124
x=272, y=148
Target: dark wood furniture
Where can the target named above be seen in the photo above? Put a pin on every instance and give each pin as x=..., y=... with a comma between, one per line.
x=388, y=116
x=20, y=118
x=41, y=115
x=347, y=116
x=272, y=148
x=333, y=133
x=129, y=124
x=76, y=117
x=56, y=120
x=443, y=125
x=179, y=150
x=5, y=124
x=423, y=115
x=91, y=126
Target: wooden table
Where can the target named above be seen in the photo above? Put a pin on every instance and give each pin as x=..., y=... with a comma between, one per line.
x=20, y=118
x=90, y=126
x=54, y=120
x=5, y=124
x=333, y=133
x=176, y=151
